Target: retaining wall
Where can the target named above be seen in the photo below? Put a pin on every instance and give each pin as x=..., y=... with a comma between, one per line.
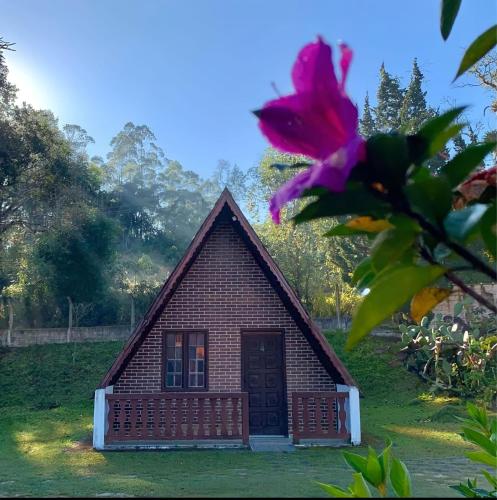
x=30, y=336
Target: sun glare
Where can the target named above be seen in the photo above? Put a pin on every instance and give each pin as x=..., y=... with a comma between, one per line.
x=32, y=88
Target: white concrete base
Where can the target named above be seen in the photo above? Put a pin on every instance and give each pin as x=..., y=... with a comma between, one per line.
x=100, y=411
x=353, y=413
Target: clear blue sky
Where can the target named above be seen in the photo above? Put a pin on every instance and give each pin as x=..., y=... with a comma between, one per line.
x=193, y=70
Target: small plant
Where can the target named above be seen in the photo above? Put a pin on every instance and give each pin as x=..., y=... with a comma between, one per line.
x=387, y=474
x=480, y=430
x=390, y=477
x=454, y=356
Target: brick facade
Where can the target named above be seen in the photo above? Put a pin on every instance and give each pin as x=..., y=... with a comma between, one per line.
x=225, y=291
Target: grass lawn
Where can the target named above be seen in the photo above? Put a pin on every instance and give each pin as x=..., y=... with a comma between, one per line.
x=46, y=422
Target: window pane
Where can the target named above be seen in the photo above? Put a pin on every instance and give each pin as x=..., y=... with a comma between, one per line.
x=174, y=360
x=196, y=364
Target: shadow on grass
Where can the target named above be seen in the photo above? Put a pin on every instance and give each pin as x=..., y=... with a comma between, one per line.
x=49, y=453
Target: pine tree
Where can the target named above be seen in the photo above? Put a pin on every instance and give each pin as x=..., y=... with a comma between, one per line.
x=414, y=110
x=389, y=102
x=367, y=125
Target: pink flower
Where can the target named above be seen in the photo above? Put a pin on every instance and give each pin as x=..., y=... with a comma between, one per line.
x=475, y=186
x=318, y=120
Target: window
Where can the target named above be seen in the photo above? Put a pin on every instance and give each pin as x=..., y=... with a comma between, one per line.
x=185, y=360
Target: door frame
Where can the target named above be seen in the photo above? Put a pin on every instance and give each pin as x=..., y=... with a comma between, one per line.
x=267, y=331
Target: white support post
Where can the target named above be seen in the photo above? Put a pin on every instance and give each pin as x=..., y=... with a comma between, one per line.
x=353, y=413
x=99, y=419
x=355, y=416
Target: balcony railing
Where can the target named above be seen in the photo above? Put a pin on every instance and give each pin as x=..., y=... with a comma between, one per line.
x=320, y=415
x=177, y=416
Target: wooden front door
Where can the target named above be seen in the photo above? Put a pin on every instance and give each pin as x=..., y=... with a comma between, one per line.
x=263, y=379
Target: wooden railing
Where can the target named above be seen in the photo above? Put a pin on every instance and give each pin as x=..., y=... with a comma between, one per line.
x=177, y=416
x=319, y=415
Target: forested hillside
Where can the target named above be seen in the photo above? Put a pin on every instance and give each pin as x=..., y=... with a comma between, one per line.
x=99, y=235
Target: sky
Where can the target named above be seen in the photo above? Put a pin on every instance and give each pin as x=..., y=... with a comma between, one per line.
x=192, y=70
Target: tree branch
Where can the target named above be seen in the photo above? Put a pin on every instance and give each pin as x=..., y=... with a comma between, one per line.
x=467, y=289
x=458, y=282
x=459, y=249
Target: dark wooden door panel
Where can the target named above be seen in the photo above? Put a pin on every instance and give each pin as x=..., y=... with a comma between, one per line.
x=263, y=379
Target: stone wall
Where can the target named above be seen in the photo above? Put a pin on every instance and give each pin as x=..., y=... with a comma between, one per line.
x=488, y=290
x=30, y=336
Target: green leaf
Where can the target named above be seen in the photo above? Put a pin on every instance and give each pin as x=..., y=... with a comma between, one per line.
x=465, y=491
x=436, y=125
x=448, y=15
x=335, y=491
x=390, y=245
x=460, y=223
x=366, y=280
x=488, y=229
x=457, y=169
x=388, y=293
x=431, y=197
x=359, y=486
x=373, y=469
x=354, y=200
x=343, y=230
x=482, y=457
x=492, y=480
x=441, y=251
x=400, y=479
x=457, y=309
x=483, y=44
x=388, y=158
x=362, y=268
x=357, y=462
x=480, y=440
x=286, y=166
x=384, y=458
x=441, y=139
x=478, y=415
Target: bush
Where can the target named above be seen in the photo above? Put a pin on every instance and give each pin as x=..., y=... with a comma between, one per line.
x=454, y=356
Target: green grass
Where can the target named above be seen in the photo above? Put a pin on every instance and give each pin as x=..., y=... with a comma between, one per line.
x=46, y=422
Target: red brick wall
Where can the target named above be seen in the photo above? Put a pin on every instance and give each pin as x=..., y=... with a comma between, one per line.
x=225, y=291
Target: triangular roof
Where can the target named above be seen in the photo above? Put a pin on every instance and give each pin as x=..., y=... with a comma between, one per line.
x=226, y=202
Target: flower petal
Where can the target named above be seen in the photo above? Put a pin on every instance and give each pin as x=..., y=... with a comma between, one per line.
x=313, y=70
x=331, y=174
x=345, y=60
x=289, y=191
x=297, y=124
x=335, y=170
x=294, y=125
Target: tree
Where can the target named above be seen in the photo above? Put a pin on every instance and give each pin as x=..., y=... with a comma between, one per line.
x=78, y=138
x=367, y=123
x=183, y=205
x=75, y=258
x=231, y=177
x=8, y=90
x=389, y=100
x=40, y=177
x=321, y=263
x=134, y=156
x=485, y=74
x=414, y=110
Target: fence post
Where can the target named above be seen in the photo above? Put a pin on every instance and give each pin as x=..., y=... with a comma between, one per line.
x=11, y=322
x=69, y=326
x=338, y=305
x=132, y=319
